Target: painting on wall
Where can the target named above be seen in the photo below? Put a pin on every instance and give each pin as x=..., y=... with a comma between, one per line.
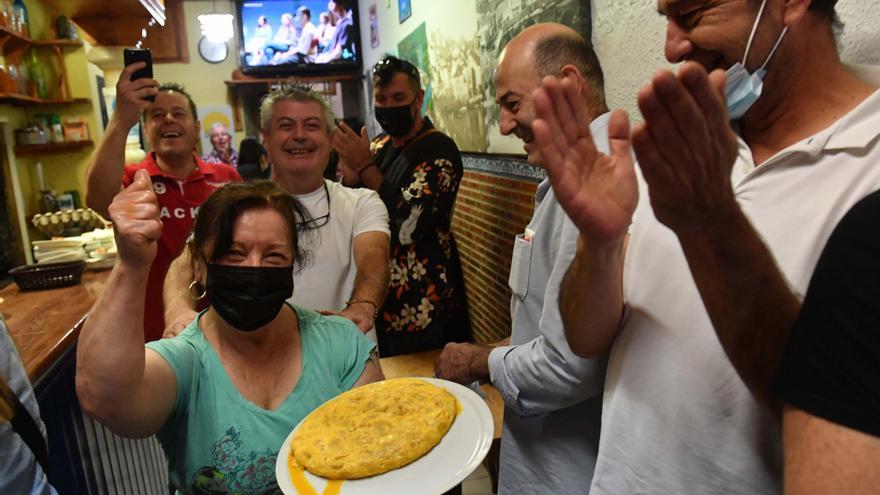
x=456, y=55
x=449, y=67
x=414, y=49
x=457, y=92
x=374, y=27
x=498, y=21
x=404, y=9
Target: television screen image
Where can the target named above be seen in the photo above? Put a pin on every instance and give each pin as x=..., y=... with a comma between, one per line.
x=284, y=37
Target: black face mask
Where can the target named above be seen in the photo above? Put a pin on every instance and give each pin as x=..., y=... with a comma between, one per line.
x=248, y=297
x=396, y=121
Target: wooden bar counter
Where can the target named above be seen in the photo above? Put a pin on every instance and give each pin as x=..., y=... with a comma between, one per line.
x=46, y=323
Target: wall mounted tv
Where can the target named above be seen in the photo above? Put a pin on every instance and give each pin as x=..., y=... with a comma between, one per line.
x=298, y=37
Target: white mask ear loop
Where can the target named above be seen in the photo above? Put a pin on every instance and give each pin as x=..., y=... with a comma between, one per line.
x=778, y=41
x=754, y=30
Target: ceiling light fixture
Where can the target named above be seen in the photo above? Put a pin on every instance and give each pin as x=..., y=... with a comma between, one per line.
x=216, y=27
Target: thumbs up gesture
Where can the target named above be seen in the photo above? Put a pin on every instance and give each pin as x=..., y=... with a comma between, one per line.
x=135, y=216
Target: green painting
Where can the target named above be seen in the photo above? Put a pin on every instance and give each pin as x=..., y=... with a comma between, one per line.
x=414, y=49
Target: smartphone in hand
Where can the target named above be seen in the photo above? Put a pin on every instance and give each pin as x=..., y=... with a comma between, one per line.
x=132, y=55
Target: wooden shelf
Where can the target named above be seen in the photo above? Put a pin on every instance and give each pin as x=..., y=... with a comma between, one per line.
x=12, y=41
x=25, y=100
x=61, y=43
x=276, y=80
x=42, y=149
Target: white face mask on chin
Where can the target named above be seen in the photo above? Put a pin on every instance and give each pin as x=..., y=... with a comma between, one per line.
x=741, y=88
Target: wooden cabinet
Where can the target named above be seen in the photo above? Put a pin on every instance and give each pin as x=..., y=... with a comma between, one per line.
x=119, y=23
x=15, y=46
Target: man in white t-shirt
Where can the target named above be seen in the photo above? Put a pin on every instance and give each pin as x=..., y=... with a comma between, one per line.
x=696, y=302
x=347, y=237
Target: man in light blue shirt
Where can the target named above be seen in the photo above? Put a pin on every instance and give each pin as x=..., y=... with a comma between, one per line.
x=19, y=471
x=552, y=398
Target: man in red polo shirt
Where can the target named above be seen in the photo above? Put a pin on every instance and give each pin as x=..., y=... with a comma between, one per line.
x=181, y=180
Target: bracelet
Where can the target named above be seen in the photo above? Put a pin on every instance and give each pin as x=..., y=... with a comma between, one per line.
x=371, y=164
x=364, y=301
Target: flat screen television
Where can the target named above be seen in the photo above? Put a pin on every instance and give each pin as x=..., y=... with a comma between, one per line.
x=298, y=37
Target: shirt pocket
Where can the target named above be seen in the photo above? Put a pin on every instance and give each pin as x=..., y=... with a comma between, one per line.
x=520, y=266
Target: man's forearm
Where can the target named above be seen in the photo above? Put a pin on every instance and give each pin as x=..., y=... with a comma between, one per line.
x=747, y=297
x=371, y=176
x=104, y=171
x=591, y=297
x=371, y=281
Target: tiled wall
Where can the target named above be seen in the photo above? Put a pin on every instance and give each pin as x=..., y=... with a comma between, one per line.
x=494, y=204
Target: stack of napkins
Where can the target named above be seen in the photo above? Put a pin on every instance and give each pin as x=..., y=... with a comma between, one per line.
x=95, y=247
x=100, y=246
x=59, y=250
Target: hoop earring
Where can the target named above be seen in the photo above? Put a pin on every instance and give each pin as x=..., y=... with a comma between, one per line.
x=197, y=290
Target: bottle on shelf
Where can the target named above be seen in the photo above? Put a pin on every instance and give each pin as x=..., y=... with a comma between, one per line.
x=56, y=132
x=5, y=14
x=46, y=199
x=38, y=87
x=7, y=83
x=21, y=20
x=19, y=75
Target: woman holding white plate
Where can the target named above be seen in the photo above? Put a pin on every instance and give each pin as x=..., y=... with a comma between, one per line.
x=223, y=395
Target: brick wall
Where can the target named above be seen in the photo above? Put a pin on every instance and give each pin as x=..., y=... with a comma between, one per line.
x=490, y=210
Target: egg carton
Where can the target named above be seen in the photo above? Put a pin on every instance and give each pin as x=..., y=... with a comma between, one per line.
x=56, y=223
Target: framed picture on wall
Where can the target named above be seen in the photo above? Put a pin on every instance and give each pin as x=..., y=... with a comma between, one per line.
x=404, y=9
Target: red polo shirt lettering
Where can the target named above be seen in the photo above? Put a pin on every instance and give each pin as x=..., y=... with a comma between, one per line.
x=179, y=202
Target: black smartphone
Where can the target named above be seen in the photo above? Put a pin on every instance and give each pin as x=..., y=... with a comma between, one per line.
x=132, y=55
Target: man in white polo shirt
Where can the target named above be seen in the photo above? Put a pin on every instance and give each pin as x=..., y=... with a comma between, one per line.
x=724, y=232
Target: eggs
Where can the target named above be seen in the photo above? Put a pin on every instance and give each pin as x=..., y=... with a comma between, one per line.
x=373, y=429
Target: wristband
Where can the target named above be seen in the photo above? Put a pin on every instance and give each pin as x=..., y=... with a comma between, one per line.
x=371, y=164
x=364, y=301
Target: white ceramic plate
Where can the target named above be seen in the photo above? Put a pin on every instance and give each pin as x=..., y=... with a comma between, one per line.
x=457, y=455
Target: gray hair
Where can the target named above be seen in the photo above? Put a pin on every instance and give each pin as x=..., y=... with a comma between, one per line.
x=217, y=125
x=554, y=51
x=295, y=91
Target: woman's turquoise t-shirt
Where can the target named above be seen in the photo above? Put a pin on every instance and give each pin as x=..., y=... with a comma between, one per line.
x=215, y=440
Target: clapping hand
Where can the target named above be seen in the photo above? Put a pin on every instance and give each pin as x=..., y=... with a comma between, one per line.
x=598, y=192
x=353, y=149
x=686, y=149
x=135, y=216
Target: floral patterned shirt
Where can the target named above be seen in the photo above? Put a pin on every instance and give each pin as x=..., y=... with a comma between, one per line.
x=425, y=307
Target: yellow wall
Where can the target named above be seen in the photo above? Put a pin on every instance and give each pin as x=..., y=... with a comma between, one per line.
x=62, y=171
x=66, y=171
x=204, y=81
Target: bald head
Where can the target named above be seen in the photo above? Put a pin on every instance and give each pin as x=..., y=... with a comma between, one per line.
x=541, y=50
x=523, y=44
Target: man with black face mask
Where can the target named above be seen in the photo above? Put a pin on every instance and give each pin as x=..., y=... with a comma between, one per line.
x=416, y=170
